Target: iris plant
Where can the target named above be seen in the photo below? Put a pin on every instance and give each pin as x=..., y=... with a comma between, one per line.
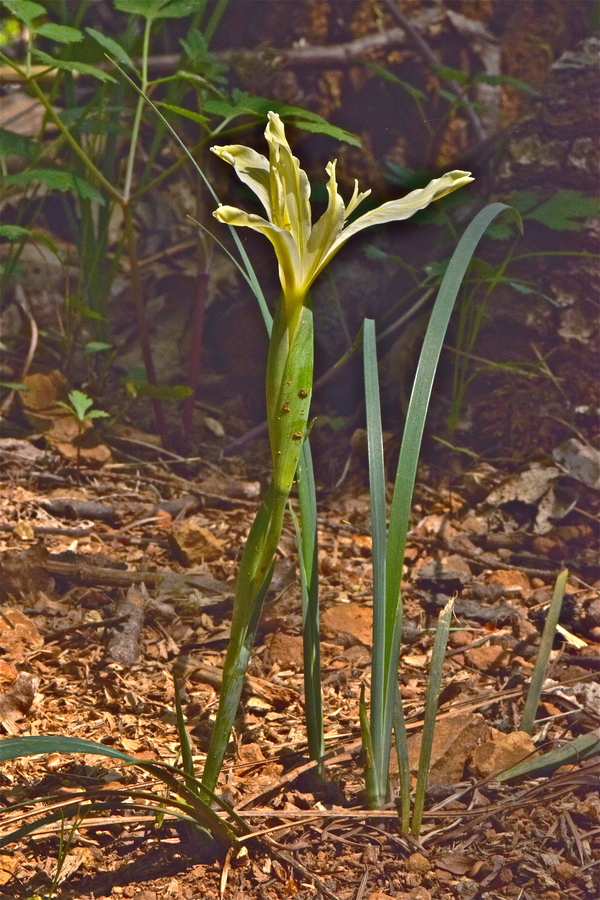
x=303, y=250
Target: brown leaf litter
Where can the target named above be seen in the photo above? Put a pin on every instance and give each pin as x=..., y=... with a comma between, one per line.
x=105, y=601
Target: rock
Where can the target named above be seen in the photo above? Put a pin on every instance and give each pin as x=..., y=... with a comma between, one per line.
x=460, y=639
x=592, y=614
x=492, y=658
x=581, y=461
x=351, y=621
x=512, y=581
x=416, y=862
x=285, y=649
x=499, y=753
x=194, y=542
x=451, y=571
x=453, y=741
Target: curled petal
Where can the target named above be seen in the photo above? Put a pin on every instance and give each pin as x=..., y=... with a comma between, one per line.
x=283, y=244
x=356, y=198
x=289, y=185
x=396, y=210
x=325, y=231
x=251, y=167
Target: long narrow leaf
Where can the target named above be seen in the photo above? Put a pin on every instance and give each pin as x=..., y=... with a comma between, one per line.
x=175, y=779
x=541, y=663
x=411, y=445
x=367, y=745
x=380, y=664
x=187, y=758
x=431, y=704
x=306, y=537
x=421, y=392
x=403, y=761
x=569, y=754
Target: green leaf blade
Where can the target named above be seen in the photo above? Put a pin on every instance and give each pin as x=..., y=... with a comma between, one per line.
x=25, y=10
x=71, y=65
x=62, y=34
x=112, y=47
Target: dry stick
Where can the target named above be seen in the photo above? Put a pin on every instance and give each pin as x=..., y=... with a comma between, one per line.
x=429, y=56
x=336, y=56
x=23, y=306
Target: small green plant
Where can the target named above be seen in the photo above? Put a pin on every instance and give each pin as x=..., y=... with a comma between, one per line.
x=80, y=407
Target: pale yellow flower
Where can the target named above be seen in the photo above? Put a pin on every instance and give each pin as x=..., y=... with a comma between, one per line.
x=303, y=249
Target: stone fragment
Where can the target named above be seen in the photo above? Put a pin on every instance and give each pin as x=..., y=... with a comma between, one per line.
x=491, y=658
x=453, y=741
x=416, y=862
x=285, y=649
x=452, y=571
x=194, y=542
x=501, y=752
x=351, y=621
x=513, y=582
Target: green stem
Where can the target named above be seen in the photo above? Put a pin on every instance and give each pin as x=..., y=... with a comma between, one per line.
x=256, y=568
x=138, y=112
x=289, y=386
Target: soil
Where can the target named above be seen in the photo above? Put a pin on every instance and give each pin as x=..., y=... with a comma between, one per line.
x=117, y=576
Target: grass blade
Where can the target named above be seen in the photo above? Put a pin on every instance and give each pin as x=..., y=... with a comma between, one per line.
x=568, y=755
x=380, y=663
x=187, y=758
x=367, y=746
x=431, y=704
x=411, y=446
x=541, y=662
x=419, y=401
x=403, y=761
x=306, y=537
x=175, y=779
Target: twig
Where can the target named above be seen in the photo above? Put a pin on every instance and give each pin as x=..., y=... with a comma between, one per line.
x=336, y=56
x=429, y=56
x=23, y=306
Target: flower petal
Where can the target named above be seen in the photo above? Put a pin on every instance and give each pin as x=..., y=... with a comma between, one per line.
x=396, y=210
x=283, y=243
x=325, y=232
x=251, y=167
x=289, y=185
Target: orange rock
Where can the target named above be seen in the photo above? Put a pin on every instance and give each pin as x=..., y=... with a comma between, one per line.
x=491, y=658
x=515, y=582
x=195, y=542
x=351, y=620
x=285, y=649
x=454, y=740
x=499, y=753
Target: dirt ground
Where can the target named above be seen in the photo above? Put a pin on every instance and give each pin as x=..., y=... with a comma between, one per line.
x=116, y=575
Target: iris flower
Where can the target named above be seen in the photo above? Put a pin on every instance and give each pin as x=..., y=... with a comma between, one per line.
x=303, y=249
